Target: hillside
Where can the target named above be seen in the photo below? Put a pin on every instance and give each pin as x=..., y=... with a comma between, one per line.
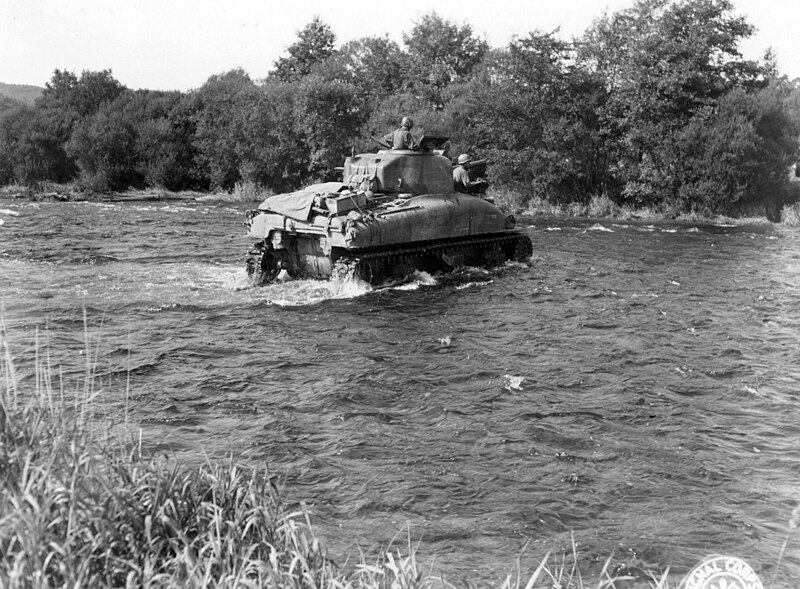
x=21, y=92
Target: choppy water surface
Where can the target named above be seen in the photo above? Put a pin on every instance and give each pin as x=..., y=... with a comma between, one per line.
x=636, y=386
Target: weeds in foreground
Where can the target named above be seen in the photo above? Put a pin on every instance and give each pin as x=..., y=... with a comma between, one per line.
x=78, y=511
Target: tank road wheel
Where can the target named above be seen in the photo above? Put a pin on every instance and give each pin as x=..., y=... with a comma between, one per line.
x=346, y=268
x=523, y=249
x=262, y=265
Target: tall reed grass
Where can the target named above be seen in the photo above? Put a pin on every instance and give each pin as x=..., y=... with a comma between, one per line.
x=81, y=506
x=790, y=215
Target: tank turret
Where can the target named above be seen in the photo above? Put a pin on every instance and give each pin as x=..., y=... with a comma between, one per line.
x=394, y=212
x=400, y=172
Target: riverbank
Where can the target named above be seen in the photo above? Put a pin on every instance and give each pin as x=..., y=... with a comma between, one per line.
x=600, y=207
x=85, y=507
x=48, y=191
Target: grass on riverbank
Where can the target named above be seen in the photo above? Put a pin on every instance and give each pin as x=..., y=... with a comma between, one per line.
x=790, y=215
x=243, y=192
x=601, y=207
x=80, y=506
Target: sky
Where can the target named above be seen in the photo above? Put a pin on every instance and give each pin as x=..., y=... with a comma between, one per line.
x=179, y=44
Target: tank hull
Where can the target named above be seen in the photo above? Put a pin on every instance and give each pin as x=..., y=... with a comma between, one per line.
x=428, y=232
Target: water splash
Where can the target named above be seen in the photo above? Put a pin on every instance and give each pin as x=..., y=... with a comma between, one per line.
x=512, y=383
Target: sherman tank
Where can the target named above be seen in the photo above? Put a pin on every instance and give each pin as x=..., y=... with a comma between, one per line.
x=394, y=212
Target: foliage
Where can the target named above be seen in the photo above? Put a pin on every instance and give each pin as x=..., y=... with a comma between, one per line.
x=315, y=44
x=84, y=95
x=665, y=64
x=374, y=65
x=218, y=107
x=440, y=53
x=271, y=153
x=31, y=145
x=328, y=115
x=104, y=147
x=738, y=155
x=166, y=155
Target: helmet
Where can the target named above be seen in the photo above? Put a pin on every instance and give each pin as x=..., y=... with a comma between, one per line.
x=463, y=159
x=407, y=123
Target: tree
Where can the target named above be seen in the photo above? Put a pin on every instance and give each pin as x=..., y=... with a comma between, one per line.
x=272, y=152
x=11, y=119
x=328, y=115
x=84, y=95
x=373, y=64
x=104, y=147
x=218, y=107
x=529, y=110
x=737, y=158
x=440, y=53
x=314, y=45
x=166, y=156
x=664, y=63
x=31, y=146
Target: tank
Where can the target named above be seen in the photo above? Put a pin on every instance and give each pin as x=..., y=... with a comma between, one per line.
x=394, y=212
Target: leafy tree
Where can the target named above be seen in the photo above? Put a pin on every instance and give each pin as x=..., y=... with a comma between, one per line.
x=84, y=96
x=164, y=145
x=530, y=111
x=11, y=114
x=40, y=135
x=664, y=62
x=737, y=157
x=314, y=45
x=104, y=146
x=141, y=138
x=328, y=115
x=218, y=106
x=440, y=53
x=272, y=152
x=30, y=147
x=372, y=64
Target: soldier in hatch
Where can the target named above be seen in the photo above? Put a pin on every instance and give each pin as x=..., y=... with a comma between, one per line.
x=402, y=138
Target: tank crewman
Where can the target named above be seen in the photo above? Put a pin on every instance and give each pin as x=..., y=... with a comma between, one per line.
x=401, y=138
x=461, y=179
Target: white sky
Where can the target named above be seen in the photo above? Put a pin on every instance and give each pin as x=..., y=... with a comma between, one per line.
x=179, y=44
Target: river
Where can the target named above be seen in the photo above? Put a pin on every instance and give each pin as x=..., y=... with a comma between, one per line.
x=634, y=387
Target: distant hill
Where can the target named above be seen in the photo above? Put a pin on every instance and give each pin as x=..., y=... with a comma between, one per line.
x=21, y=92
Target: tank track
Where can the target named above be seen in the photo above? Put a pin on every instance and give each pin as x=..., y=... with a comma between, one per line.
x=262, y=264
x=376, y=265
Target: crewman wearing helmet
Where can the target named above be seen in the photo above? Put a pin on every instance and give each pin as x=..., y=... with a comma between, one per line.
x=402, y=138
x=461, y=179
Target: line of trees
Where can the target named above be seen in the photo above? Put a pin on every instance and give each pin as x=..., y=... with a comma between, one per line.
x=652, y=106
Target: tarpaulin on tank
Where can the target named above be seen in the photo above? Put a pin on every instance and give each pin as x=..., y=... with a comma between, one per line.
x=297, y=205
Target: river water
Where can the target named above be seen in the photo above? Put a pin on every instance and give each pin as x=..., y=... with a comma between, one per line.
x=634, y=388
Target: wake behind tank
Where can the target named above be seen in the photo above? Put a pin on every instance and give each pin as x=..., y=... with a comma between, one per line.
x=394, y=212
